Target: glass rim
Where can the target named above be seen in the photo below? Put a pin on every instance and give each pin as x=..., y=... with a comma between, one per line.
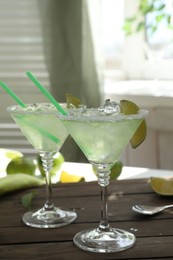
x=82, y=117
x=17, y=109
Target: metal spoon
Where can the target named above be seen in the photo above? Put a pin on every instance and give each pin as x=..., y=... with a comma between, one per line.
x=149, y=210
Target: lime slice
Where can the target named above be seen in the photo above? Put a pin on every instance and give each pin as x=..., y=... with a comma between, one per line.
x=21, y=165
x=72, y=100
x=67, y=177
x=162, y=186
x=129, y=108
x=12, y=154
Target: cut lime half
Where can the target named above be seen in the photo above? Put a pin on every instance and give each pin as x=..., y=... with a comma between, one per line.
x=162, y=186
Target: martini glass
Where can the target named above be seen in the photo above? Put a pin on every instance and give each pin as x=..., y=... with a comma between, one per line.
x=102, y=134
x=47, y=134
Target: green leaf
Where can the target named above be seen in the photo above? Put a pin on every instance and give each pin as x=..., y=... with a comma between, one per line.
x=27, y=199
x=127, y=28
x=160, y=17
x=140, y=26
x=130, y=19
x=169, y=19
x=18, y=181
x=161, y=7
x=146, y=7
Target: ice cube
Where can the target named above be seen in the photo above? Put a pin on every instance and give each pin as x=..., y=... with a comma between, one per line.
x=110, y=108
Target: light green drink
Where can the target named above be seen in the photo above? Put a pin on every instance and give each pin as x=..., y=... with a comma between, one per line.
x=102, y=134
x=102, y=139
x=46, y=133
x=40, y=125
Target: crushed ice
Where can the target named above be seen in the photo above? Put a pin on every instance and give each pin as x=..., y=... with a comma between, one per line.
x=39, y=107
x=110, y=108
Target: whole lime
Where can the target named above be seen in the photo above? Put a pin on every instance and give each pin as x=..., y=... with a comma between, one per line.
x=21, y=165
x=6, y=156
x=58, y=160
x=115, y=170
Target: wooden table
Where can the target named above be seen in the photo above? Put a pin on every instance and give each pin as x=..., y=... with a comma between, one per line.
x=154, y=234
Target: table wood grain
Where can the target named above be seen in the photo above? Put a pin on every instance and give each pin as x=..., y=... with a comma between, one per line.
x=154, y=234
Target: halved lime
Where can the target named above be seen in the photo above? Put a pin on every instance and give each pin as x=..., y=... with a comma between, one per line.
x=162, y=186
x=129, y=108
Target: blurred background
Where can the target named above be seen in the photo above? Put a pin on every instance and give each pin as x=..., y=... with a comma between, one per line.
x=94, y=50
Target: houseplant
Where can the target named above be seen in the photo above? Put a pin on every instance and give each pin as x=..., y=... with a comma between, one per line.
x=151, y=15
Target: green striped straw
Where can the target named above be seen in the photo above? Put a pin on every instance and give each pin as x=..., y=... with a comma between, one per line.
x=19, y=101
x=12, y=94
x=46, y=93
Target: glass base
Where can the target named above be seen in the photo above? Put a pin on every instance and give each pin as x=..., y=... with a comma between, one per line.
x=53, y=218
x=94, y=240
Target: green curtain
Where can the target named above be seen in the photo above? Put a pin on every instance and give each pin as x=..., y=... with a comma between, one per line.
x=70, y=55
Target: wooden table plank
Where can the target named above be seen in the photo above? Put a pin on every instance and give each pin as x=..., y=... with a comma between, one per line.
x=154, y=233
x=87, y=207
x=87, y=189
x=143, y=228
x=154, y=247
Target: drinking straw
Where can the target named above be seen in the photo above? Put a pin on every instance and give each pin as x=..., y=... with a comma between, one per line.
x=19, y=101
x=46, y=93
x=12, y=94
x=42, y=131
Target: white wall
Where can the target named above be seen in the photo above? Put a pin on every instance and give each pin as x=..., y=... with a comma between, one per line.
x=156, y=151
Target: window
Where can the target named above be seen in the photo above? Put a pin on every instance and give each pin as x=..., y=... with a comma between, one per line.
x=113, y=37
x=126, y=57
x=21, y=49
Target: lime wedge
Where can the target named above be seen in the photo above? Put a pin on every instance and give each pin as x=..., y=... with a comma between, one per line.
x=129, y=108
x=67, y=177
x=72, y=100
x=162, y=186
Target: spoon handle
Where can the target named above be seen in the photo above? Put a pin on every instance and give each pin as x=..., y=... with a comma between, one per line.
x=168, y=206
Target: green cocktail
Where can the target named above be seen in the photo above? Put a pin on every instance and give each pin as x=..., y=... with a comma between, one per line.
x=102, y=134
x=38, y=123
x=46, y=133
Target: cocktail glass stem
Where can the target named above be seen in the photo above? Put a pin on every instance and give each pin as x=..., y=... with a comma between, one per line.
x=103, y=180
x=104, y=238
x=47, y=162
x=48, y=216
